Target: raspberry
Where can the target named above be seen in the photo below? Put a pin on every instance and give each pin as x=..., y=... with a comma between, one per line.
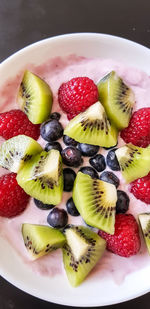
x=70, y=116
x=13, y=200
x=126, y=240
x=138, y=131
x=15, y=122
x=77, y=95
x=141, y=189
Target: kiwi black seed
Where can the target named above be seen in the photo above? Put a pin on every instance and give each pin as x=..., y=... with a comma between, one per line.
x=42, y=177
x=95, y=201
x=81, y=252
x=92, y=127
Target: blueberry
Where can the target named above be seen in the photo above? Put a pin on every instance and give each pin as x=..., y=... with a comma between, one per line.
x=57, y=218
x=43, y=206
x=89, y=171
x=98, y=162
x=53, y=145
x=71, y=208
x=69, y=141
x=88, y=150
x=55, y=116
x=112, y=161
x=107, y=148
x=71, y=156
x=51, y=130
x=123, y=200
x=69, y=178
x=110, y=177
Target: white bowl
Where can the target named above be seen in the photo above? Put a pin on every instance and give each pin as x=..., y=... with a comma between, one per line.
x=56, y=289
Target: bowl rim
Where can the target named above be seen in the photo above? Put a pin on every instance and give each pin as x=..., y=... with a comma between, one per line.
x=70, y=36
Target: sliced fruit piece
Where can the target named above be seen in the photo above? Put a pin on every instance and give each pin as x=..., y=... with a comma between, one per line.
x=95, y=201
x=144, y=220
x=41, y=239
x=16, y=151
x=82, y=251
x=134, y=161
x=42, y=177
x=92, y=127
x=35, y=98
x=117, y=98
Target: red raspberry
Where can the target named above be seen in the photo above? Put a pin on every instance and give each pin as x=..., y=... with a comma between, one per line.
x=15, y=122
x=141, y=189
x=138, y=131
x=77, y=95
x=13, y=200
x=126, y=240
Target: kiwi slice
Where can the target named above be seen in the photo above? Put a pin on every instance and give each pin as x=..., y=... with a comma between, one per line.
x=16, y=151
x=41, y=239
x=35, y=98
x=81, y=252
x=144, y=220
x=117, y=98
x=42, y=177
x=92, y=127
x=96, y=202
x=134, y=161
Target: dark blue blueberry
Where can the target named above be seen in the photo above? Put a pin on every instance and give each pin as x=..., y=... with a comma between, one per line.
x=69, y=178
x=71, y=208
x=98, y=162
x=53, y=145
x=88, y=150
x=71, y=156
x=43, y=206
x=110, y=177
x=107, y=148
x=57, y=218
x=51, y=130
x=123, y=200
x=69, y=141
x=55, y=116
x=112, y=161
x=89, y=171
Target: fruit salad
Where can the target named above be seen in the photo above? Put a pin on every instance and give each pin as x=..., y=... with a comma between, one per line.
x=75, y=168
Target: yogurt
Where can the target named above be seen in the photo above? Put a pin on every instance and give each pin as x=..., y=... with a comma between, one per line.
x=55, y=72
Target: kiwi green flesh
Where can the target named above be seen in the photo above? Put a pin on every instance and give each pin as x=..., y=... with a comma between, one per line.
x=117, y=98
x=35, y=98
x=92, y=127
x=42, y=177
x=134, y=161
x=95, y=201
x=18, y=150
x=82, y=251
x=144, y=220
x=39, y=240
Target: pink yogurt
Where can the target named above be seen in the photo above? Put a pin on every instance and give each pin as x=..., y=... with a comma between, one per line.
x=55, y=72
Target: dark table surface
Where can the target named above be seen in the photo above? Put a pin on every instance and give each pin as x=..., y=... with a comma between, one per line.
x=26, y=21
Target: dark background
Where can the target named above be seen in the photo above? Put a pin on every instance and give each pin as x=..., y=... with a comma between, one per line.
x=26, y=21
